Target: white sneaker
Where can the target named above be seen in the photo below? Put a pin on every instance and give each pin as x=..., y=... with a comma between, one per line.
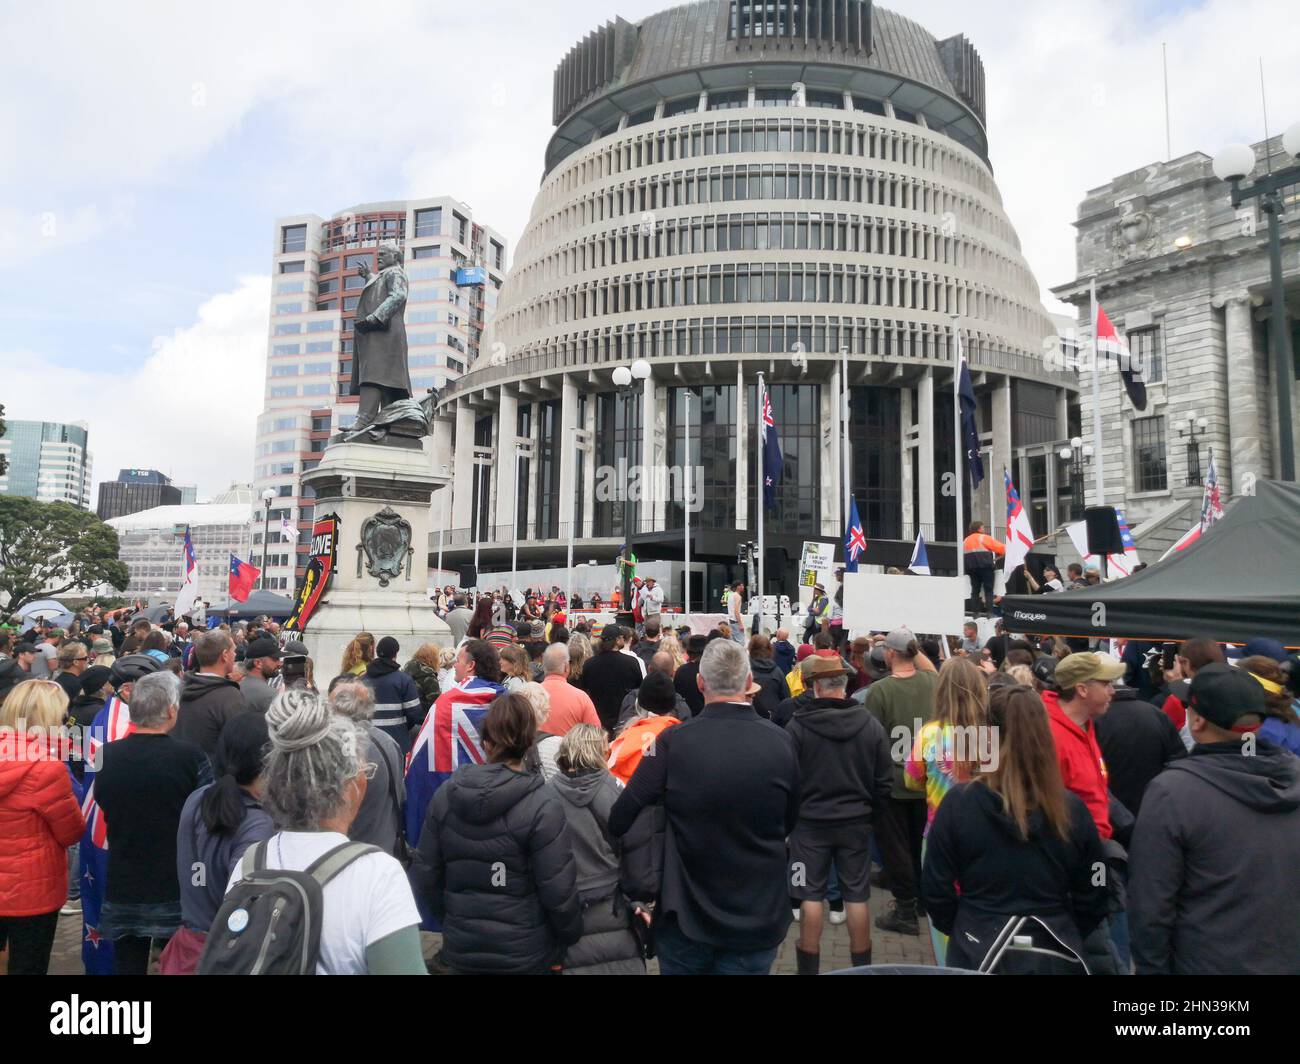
x=838, y=917
x=798, y=913
x=71, y=908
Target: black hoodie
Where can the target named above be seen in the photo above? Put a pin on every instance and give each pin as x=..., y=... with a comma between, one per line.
x=495, y=865
x=1213, y=865
x=207, y=702
x=978, y=873
x=845, y=770
x=772, y=689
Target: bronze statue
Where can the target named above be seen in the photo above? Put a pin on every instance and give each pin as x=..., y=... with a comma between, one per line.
x=379, y=359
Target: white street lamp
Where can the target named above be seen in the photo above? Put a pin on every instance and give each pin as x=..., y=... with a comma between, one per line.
x=1234, y=162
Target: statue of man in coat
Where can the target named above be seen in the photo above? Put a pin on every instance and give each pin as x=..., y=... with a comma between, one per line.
x=379, y=363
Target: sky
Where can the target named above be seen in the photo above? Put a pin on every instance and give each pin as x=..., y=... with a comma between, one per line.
x=146, y=150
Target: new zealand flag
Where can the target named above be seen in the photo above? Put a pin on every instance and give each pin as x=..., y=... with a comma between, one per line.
x=773, y=462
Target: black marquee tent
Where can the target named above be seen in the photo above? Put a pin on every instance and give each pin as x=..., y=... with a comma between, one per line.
x=1239, y=581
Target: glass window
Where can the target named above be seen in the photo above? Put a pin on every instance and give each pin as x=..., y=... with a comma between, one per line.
x=823, y=98
x=319, y=346
x=288, y=308
x=428, y=222
x=288, y=328
x=316, y=389
x=288, y=287
x=328, y=265
x=292, y=267
x=722, y=101
x=864, y=103
x=290, y=370
x=286, y=349
x=321, y=326
x=352, y=282
x=293, y=238
x=353, y=261
x=429, y=251
x=312, y=368
x=1145, y=354
x=327, y=304
x=284, y=391
x=1149, y=463
x=350, y=303
x=324, y=288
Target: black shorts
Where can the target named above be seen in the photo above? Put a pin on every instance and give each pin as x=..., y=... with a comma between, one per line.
x=813, y=849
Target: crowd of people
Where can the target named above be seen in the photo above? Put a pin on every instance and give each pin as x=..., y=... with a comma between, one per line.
x=588, y=798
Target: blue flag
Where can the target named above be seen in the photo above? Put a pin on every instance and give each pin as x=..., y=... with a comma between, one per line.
x=920, y=562
x=969, y=433
x=772, y=459
x=855, y=541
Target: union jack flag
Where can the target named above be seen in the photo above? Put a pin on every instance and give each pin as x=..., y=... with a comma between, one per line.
x=111, y=723
x=1211, y=501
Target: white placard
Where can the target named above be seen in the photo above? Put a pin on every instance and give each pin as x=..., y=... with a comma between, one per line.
x=932, y=605
x=816, y=563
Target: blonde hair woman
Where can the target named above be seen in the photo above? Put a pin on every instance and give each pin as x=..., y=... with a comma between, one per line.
x=672, y=646
x=446, y=669
x=39, y=819
x=579, y=655
x=515, y=671
x=358, y=654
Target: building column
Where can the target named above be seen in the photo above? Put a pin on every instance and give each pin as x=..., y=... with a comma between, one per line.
x=742, y=452
x=666, y=482
x=589, y=470
x=646, y=457
x=507, y=457
x=907, y=435
x=462, y=513
x=925, y=452
x=534, y=469
x=1247, y=448
x=832, y=488
x=1001, y=453
x=568, y=452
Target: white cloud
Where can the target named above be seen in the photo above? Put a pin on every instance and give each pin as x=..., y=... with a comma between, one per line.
x=189, y=408
x=27, y=234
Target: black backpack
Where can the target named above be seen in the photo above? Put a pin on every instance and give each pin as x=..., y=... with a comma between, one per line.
x=270, y=921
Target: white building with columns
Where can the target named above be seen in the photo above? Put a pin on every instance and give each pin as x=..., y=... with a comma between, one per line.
x=733, y=189
x=1185, y=278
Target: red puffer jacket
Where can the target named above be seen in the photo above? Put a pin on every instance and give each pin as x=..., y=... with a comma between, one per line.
x=39, y=820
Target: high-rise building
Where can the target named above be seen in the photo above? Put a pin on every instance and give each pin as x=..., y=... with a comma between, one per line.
x=1185, y=279
x=455, y=268
x=135, y=490
x=48, y=461
x=736, y=187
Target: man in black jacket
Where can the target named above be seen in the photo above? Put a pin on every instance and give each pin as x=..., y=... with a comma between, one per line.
x=1212, y=868
x=397, y=699
x=845, y=775
x=729, y=783
x=609, y=675
x=1138, y=741
x=684, y=678
x=209, y=698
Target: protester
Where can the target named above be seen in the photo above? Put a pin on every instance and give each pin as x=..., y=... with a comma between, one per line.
x=1136, y=741
x=1217, y=844
x=649, y=644
x=495, y=861
x=40, y=820
x=481, y=620
x=380, y=817
x=684, y=679
x=655, y=709
x=423, y=669
x=1013, y=843
x=902, y=700
x=769, y=678
x=210, y=699
x=218, y=823
x=358, y=654
x=569, y=705
x=729, y=783
x=72, y=660
x=397, y=699
x=588, y=793
x=610, y=675
x=845, y=775
x=458, y=619
x=1281, y=724
x=142, y=787
x=515, y=670
x=314, y=783
x=261, y=666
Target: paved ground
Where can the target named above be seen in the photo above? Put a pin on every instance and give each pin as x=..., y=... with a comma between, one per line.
x=886, y=947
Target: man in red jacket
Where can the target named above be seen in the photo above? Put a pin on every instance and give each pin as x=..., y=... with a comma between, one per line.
x=1086, y=684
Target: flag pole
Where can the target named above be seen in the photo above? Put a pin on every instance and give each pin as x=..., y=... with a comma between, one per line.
x=573, y=520
x=844, y=436
x=762, y=430
x=1098, y=448
x=686, y=511
x=956, y=436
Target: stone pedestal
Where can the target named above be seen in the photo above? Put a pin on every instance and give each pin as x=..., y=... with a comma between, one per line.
x=391, y=485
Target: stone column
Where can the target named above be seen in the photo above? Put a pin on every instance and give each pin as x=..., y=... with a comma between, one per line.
x=1247, y=452
x=588, y=458
x=645, y=454
x=925, y=452
x=907, y=435
x=463, y=493
x=1001, y=452
x=832, y=488
x=568, y=453
x=507, y=458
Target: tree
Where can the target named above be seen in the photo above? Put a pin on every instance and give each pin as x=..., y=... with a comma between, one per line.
x=48, y=548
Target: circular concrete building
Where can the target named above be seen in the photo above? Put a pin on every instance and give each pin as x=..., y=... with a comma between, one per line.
x=736, y=188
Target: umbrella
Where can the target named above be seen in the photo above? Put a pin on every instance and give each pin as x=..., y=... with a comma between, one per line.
x=47, y=610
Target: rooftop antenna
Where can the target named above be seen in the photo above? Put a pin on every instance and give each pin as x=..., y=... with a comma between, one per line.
x=1164, y=54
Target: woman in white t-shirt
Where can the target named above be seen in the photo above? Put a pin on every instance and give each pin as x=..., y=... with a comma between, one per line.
x=314, y=782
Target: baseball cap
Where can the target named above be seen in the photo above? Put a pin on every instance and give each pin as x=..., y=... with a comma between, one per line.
x=1223, y=695
x=57, y=633
x=264, y=646
x=25, y=648
x=1080, y=668
x=1269, y=648
x=387, y=647
x=899, y=640
x=94, y=678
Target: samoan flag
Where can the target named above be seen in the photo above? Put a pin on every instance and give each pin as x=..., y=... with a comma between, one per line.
x=111, y=723
x=773, y=462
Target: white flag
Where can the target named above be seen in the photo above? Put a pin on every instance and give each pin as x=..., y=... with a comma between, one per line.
x=189, y=588
x=287, y=531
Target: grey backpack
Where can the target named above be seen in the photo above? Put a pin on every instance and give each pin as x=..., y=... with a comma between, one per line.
x=270, y=921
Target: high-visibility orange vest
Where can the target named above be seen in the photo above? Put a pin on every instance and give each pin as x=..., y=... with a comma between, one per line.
x=636, y=742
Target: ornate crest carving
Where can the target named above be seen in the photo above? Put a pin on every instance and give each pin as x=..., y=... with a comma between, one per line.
x=1134, y=234
x=386, y=544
